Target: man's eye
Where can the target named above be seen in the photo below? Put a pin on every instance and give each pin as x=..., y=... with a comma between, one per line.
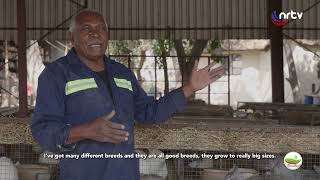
x=103, y=28
x=85, y=29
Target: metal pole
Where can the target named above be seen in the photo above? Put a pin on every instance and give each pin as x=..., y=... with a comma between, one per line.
x=229, y=55
x=6, y=72
x=209, y=85
x=129, y=62
x=155, y=77
x=22, y=64
x=276, y=42
x=229, y=79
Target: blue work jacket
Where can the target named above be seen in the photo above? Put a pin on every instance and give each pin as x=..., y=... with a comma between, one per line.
x=69, y=94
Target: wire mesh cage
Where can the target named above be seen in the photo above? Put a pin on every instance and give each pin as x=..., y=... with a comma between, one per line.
x=225, y=165
x=25, y=163
x=260, y=155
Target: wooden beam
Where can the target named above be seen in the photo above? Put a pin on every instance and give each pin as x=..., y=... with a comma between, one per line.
x=276, y=42
x=22, y=59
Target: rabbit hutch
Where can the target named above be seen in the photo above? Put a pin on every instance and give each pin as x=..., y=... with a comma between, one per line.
x=244, y=126
x=187, y=147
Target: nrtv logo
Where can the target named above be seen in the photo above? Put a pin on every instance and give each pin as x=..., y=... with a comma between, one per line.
x=283, y=18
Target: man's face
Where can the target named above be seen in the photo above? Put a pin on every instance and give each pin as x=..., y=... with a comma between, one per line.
x=90, y=38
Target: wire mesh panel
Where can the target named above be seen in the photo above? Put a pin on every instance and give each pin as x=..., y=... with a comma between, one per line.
x=205, y=165
x=24, y=162
x=157, y=79
x=243, y=149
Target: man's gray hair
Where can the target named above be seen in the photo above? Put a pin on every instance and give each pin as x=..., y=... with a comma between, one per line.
x=74, y=18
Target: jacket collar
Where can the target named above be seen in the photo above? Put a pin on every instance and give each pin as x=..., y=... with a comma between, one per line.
x=73, y=58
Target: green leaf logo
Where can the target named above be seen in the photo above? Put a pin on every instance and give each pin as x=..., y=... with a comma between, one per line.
x=292, y=160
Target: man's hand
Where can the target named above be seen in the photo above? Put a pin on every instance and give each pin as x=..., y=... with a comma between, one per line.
x=104, y=130
x=202, y=78
x=101, y=130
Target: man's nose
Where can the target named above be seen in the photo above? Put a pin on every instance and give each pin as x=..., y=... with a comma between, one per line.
x=94, y=33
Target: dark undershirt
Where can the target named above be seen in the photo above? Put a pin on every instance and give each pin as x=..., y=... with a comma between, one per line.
x=103, y=76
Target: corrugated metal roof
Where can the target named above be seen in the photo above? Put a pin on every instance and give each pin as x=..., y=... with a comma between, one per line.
x=149, y=19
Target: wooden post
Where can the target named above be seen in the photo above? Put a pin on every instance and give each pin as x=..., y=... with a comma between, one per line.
x=276, y=42
x=22, y=59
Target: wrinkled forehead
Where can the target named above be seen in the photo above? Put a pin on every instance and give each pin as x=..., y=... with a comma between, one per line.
x=89, y=18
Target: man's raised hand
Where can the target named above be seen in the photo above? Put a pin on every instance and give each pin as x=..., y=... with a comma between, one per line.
x=202, y=77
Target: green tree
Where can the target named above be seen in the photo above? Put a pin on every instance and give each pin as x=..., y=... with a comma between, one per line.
x=162, y=48
x=293, y=77
x=126, y=48
x=188, y=51
x=123, y=48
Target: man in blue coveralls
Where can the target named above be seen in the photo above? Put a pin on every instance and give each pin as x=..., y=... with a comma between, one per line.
x=87, y=103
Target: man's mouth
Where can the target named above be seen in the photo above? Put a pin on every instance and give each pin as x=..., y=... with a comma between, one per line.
x=95, y=45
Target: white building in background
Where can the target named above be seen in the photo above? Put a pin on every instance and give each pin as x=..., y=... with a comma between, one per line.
x=252, y=83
